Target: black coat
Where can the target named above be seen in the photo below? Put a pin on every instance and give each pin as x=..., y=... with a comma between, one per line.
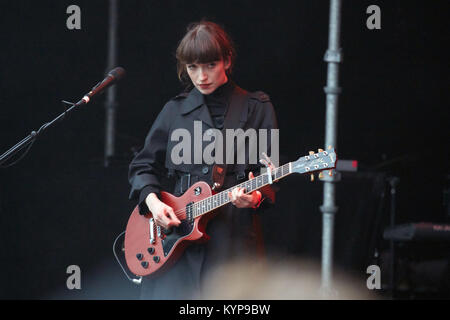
x=233, y=231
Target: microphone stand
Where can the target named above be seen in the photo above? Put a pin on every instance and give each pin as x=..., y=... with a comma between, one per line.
x=31, y=138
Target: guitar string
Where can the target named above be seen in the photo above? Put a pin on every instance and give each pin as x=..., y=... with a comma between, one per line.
x=181, y=212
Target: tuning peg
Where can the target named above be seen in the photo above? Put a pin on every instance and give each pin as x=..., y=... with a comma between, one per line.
x=311, y=153
x=312, y=177
x=329, y=147
x=320, y=150
x=321, y=175
x=330, y=173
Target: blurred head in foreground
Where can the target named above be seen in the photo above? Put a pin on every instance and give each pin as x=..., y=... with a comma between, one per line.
x=282, y=280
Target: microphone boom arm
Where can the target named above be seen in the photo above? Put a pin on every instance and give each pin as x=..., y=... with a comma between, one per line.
x=113, y=76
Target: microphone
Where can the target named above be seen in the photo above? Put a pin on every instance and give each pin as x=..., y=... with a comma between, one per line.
x=113, y=76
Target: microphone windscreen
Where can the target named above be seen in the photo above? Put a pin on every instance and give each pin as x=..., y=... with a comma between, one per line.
x=118, y=73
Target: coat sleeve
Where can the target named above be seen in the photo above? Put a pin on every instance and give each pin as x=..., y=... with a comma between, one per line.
x=147, y=168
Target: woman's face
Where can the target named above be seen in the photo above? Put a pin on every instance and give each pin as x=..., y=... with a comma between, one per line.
x=207, y=77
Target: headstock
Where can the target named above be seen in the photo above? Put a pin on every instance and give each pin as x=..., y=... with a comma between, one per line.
x=316, y=162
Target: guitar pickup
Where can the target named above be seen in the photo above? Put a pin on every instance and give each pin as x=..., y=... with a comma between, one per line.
x=158, y=228
x=151, y=223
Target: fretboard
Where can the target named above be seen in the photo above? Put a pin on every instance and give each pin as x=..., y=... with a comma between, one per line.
x=220, y=199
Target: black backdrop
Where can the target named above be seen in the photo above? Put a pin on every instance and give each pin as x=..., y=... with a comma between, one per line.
x=60, y=206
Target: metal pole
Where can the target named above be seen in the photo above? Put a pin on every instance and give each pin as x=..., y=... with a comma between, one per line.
x=333, y=57
x=111, y=101
x=393, y=182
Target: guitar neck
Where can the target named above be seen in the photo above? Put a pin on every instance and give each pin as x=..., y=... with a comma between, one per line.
x=220, y=199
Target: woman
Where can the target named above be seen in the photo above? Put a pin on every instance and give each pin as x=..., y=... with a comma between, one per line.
x=205, y=58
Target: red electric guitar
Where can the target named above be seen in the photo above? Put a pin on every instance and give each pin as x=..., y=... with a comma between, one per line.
x=149, y=249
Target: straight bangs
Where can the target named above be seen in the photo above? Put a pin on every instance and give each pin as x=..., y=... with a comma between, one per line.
x=199, y=47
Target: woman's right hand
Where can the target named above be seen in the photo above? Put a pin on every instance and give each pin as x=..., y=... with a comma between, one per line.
x=162, y=213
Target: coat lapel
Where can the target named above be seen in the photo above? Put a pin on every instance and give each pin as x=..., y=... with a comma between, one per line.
x=195, y=104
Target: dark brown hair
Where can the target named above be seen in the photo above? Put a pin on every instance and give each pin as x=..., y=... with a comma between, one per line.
x=204, y=42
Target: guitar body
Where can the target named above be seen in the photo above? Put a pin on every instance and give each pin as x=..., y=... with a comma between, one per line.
x=148, y=249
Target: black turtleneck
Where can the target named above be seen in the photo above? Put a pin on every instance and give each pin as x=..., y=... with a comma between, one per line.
x=217, y=103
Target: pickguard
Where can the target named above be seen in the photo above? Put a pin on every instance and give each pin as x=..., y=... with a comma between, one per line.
x=177, y=233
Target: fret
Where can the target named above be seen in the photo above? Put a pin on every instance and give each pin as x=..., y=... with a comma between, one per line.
x=286, y=168
x=221, y=198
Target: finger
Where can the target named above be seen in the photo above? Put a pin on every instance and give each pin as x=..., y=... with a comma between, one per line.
x=250, y=175
x=174, y=219
x=232, y=200
x=238, y=201
x=246, y=199
x=234, y=194
x=162, y=221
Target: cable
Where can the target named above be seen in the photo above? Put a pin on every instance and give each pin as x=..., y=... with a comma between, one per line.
x=135, y=281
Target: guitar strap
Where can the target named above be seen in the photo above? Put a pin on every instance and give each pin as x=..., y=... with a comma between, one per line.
x=237, y=106
x=232, y=120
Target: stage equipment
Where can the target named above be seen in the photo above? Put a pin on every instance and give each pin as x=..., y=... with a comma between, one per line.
x=333, y=57
x=111, y=102
x=421, y=264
